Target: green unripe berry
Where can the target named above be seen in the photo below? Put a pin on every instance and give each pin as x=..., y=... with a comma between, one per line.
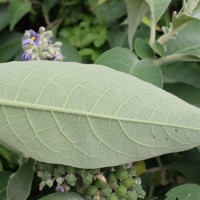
x=88, y=197
x=106, y=191
x=100, y=184
x=131, y=171
x=60, y=169
x=112, y=197
x=70, y=170
x=114, y=186
x=112, y=177
x=131, y=195
x=121, y=173
x=128, y=183
x=121, y=191
x=92, y=191
x=71, y=179
x=87, y=179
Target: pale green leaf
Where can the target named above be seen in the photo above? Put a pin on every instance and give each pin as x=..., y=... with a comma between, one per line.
x=90, y=116
x=63, y=196
x=186, y=42
x=17, y=9
x=124, y=60
x=184, y=192
x=135, y=10
x=4, y=177
x=157, y=8
x=19, y=185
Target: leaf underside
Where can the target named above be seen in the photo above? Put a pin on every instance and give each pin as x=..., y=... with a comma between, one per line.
x=90, y=116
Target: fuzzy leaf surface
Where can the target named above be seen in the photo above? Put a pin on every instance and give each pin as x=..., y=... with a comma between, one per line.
x=90, y=116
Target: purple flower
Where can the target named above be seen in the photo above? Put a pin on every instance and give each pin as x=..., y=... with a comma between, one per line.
x=26, y=56
x=60, y=188
x=33, y=37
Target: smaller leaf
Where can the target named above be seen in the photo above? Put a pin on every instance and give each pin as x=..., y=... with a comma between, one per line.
x=186, y=192
x=124, y=60
x=185, y=91
x=158, y=48
x=17, y=9
x=135, y=11
x=10, y=45
x=70, y=54
x=48, y=5
x=180, y=72
x=19, y=185
x=3, y=184
x=63, y=196
x=157, y=8
x=142, y=49
x=188, y=165
x=3, y=16
x=1, y=166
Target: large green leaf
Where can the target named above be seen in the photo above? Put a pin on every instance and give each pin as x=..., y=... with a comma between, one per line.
x=184, y=192
x=124, y=60
x=19, y=185
x=63, y=196
x=4, y=177
x=90, y=116
x=17, y=9
x=135, y=11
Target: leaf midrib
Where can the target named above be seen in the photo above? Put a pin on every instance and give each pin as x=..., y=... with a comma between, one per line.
x=23, y=105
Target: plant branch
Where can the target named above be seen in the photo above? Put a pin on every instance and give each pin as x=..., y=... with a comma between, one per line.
x=172, y=58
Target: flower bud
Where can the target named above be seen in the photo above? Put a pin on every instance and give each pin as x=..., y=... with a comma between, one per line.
x=59, y=180
x=50, y=183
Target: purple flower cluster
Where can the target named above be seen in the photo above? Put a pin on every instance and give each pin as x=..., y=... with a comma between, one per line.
x=40, y=47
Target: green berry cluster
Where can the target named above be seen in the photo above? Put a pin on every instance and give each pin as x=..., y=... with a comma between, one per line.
x=112, y=183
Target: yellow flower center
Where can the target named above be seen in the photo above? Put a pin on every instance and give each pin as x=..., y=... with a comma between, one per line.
x=33, y=38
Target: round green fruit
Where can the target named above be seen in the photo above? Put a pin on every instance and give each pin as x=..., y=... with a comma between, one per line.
x=131, y=171
x=121, y=173
x=87, y=179
x=113, y=197
x=131, y=195
x=100, y=184
x=128, y=182
x=71, y=179
x=112, y=177
x=92, y=191
x=70, y=170
x=106, y=191
x=121, y=191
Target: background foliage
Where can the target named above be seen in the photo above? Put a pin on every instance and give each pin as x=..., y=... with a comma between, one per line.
x=89, y=28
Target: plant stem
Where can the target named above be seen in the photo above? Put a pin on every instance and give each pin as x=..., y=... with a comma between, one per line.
x=153, y=32
x=173, y=58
